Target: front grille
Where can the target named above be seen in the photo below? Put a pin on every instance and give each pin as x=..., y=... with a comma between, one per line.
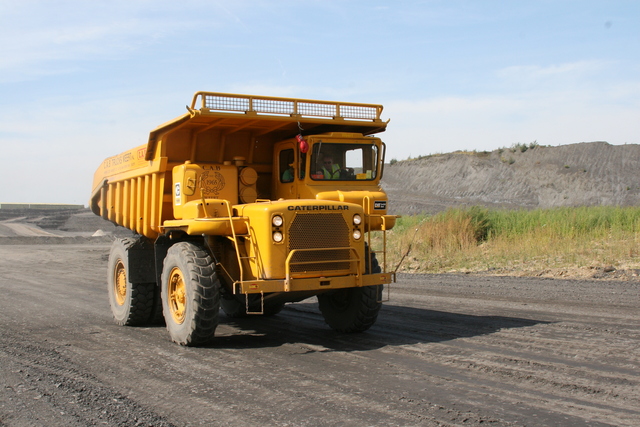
x=319, y=231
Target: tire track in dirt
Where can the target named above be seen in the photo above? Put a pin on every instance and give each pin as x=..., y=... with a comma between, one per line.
x=45, y=384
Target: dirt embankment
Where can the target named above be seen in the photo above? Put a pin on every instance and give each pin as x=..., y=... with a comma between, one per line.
x=51, y=227
x=584, y=174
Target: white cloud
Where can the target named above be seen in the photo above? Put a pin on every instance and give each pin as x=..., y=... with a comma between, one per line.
x=441, y=125
x=60, y=36
x=535, y=72
x=554, y=105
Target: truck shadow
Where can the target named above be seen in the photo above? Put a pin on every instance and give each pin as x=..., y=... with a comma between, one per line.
x=395, y=326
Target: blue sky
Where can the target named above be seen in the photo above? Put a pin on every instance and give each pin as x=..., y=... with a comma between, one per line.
x=84, y=80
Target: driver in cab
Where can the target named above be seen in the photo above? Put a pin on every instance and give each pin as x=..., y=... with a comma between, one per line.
x=330, y=169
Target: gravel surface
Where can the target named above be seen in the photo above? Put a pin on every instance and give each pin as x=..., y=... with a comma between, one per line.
x=446, y=350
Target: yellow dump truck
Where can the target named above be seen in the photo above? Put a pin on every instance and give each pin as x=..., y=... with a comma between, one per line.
x=247, y=203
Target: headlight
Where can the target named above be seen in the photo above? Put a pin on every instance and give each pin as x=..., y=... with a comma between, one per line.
x=277, y=221
x=357, y=234
x=357, y=219
x=277, y=236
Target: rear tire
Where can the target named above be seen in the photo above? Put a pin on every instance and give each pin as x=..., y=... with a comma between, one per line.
x=131, y=303
x=190, y=295
x=353, y=309
x=157, y=317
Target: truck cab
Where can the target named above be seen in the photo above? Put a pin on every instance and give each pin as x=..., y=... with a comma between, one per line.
x=336, y=160
x=336, y=166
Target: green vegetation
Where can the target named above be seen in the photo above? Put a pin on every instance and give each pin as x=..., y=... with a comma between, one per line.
x=479, y=239
x=524, y=147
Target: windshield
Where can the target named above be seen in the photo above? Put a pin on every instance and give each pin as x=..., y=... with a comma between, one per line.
x=346, y=162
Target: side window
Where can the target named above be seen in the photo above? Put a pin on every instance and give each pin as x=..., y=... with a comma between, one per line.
x=354, y=160
x=361, y=161
x=286, y=164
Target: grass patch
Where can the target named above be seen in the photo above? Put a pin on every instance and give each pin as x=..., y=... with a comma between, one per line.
x=478, y=239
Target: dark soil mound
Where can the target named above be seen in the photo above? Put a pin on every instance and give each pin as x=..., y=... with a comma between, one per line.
x=584, y=174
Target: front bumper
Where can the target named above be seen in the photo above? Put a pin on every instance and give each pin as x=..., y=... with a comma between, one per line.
x=312, y=283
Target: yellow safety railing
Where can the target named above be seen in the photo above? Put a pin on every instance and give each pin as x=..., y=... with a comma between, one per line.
x=207, y=101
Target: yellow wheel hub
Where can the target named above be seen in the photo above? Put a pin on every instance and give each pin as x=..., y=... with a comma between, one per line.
x=120, y=282
x=177, y=294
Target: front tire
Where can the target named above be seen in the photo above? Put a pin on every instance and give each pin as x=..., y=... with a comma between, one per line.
x=131, y=303
x=353, y=309
x=190, y=295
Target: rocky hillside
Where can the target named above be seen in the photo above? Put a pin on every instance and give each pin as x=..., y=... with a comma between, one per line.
x=584, y=174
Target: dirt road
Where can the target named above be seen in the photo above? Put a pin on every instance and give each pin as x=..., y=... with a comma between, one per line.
x=446, y=350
